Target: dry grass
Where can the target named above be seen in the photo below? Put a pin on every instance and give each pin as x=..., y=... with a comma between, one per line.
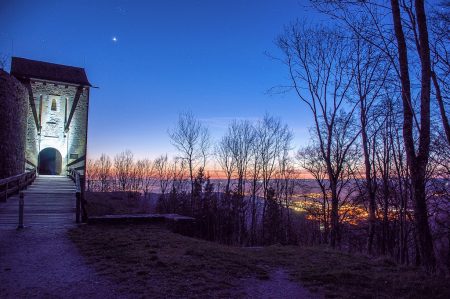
x=147, y=260
x=343, y=275
x=112, y=203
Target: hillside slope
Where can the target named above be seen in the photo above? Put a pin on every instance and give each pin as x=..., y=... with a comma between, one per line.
x=149, y=261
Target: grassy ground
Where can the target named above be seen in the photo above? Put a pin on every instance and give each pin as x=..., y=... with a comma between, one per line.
x=147, y=259
x=111, y=203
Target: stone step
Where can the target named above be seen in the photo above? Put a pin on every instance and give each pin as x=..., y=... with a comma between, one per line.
x=53, y=180
x=50, y=192
x=43, y=190
x=66, y=214
x=37, y=197
x=67, y=189
x=46, y=202
x=39, y=217
x=34, y=201
x=51, y=187
x=53, y=184
x=40, y=222
x=50, y=184
x=33, y=205
x=49, y=201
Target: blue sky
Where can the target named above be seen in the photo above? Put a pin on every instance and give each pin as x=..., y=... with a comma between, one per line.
x=170, y=56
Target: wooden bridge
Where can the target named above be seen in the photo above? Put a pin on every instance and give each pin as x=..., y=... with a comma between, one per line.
x=49, y=201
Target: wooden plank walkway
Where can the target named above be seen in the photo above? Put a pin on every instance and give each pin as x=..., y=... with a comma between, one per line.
x=49, y=201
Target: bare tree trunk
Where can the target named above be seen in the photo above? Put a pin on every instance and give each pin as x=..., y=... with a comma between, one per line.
x=253, y=224
x=326, y=225
x=369, y=183
x=227, y=187
x=440, y=101
x=334, y=215
x=385, y=235
x=417, y=163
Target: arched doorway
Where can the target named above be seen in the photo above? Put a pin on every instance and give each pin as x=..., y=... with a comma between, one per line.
x=50, y=161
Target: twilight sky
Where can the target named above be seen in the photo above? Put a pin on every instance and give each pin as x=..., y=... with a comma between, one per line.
x=154, y=59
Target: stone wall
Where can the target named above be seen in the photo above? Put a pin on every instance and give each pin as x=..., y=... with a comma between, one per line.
x=20, y=142
x=14, y=108
x=31, y=146
x=71, y=145
x=78, y=132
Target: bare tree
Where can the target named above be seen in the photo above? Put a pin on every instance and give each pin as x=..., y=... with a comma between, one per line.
x=273, y=139
x=224, y=157
x=317, y=60
x=285, y=189
x=241, y=137
x=191, y=139
x=148, y=174
x=103, y=165
x=163, y=176
x=417, y=158
x=123, y=164
x=440, y=67
x=311, y=160
x=91, y=174
x=136, y=176
x=179, y=184
x=371, y=71
x=255, y=176
x=406, y=46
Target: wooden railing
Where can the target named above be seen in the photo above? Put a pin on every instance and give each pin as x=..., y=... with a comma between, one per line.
x=80, y=199
x=14, y=184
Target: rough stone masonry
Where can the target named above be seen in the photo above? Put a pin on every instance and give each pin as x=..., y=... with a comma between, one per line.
x=43, y=117
x=13, y=123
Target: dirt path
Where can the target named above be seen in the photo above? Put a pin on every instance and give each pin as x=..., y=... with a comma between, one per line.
x=277, y=286
x=42, y=262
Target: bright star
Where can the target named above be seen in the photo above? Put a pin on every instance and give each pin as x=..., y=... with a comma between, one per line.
x=114, y=39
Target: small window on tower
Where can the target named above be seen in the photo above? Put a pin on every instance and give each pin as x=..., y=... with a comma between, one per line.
x=54, y=105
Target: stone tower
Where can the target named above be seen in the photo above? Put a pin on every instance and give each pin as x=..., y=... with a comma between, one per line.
x=57, y=120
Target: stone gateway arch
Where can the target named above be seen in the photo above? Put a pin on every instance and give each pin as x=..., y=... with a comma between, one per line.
x=57, y=119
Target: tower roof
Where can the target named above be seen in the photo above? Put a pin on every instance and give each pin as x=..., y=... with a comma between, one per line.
x=32, y=69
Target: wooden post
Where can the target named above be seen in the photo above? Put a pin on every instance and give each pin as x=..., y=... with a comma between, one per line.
x=83, y=199
x=6, y=191
x=18, y=184
x=21, y=204
x=78, y=207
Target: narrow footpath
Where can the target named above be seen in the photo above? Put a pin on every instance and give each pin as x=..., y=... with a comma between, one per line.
x=40, y=260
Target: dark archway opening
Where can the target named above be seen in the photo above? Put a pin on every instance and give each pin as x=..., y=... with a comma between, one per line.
x=50, y=161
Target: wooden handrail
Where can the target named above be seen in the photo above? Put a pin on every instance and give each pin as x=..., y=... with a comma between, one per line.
x=75, y=176
x=80, y=198
x=14, y=184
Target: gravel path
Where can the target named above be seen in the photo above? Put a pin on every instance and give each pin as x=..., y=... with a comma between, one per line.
x=41, y=262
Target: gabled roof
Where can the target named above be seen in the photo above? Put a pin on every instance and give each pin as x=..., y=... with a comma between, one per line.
x=32, y=69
